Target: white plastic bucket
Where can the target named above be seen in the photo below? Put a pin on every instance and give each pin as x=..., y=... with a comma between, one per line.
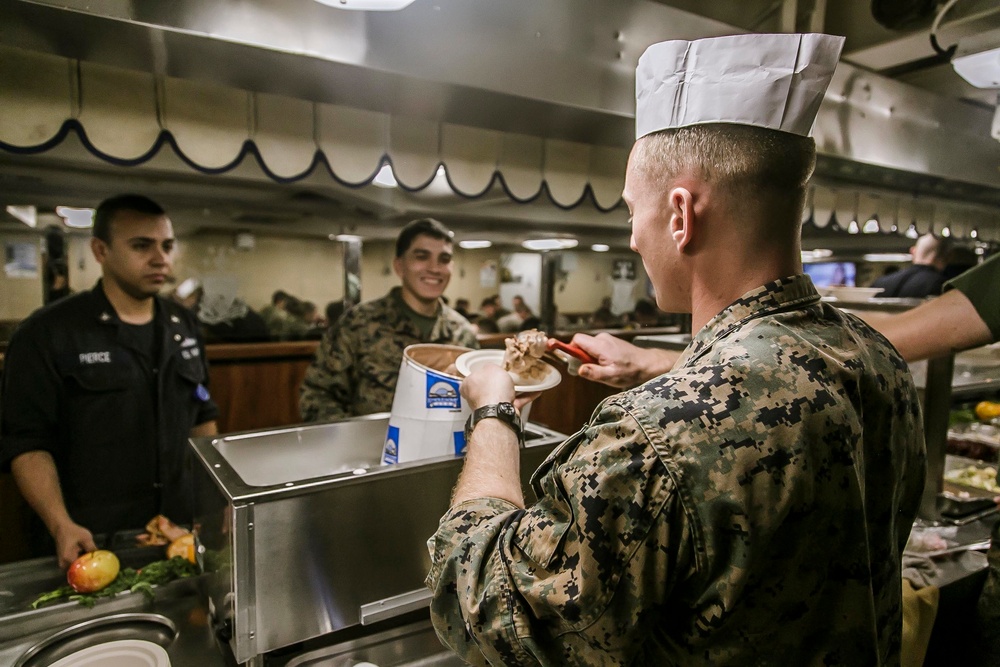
x=428, y=413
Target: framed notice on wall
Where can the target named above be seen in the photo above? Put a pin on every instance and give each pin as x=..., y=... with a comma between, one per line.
x=488, y=274
x=21, y=259
x=624, y=269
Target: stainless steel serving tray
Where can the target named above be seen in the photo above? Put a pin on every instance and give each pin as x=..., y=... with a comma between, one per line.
x=308, y=533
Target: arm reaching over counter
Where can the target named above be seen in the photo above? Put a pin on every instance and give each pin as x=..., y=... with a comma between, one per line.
x=966, y=316
x=620, y=363
x=37, y=479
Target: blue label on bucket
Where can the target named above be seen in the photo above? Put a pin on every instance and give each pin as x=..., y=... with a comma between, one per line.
x=442, y=392
x=390, y=454
x=460, y=443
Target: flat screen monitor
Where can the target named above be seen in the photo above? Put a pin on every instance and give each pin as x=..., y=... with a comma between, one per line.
x=831, y=274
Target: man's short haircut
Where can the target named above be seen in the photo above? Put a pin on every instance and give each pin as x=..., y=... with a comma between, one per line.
x=279, y=295
x=751, y=164
x=108, y=209
x=423, y=226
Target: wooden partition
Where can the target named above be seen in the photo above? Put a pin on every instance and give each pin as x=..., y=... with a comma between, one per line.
x=256, y=385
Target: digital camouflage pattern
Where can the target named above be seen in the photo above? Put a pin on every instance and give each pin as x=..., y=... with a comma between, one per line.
x=357, y=362
x=748, y=508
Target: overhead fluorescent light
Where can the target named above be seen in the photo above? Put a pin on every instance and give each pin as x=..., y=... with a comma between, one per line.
x=550, y=244
x=600, y=247
x=871, y=227
x=977, y=59
x=853, y=228
x=816, y=255
x=385, y=178
x=888, y=257
x=78, y=218
x=345, y=238
x=26, y=214
x=911, y=232
x=367, y=5
x=474, y=244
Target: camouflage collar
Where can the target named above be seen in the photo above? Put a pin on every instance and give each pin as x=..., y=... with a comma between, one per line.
x=782, y=294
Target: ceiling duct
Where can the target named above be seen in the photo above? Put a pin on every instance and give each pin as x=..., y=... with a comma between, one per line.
x=900, y=14
x=275, y=80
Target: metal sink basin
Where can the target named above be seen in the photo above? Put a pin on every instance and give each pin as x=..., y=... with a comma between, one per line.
x=287, y=456
x=266, y=458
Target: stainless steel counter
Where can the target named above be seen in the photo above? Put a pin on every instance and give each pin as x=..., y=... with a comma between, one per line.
x=308, y=519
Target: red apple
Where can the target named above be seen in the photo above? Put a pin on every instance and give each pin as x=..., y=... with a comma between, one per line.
x=91, y=572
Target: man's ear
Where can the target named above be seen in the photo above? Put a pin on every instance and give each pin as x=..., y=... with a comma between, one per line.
x=397, y=266
x=99, y=248
x=681, y=203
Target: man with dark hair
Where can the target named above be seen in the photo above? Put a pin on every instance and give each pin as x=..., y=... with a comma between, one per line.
x=101, y=391
x=357, y=363
x=690, y=522
x=108, y=209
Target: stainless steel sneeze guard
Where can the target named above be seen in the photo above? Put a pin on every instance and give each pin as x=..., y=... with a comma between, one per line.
x=309, y=533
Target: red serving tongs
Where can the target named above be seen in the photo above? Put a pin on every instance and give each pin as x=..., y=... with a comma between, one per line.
x=570, y=349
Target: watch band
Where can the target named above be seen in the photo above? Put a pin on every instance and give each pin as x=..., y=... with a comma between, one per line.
x=505, y=412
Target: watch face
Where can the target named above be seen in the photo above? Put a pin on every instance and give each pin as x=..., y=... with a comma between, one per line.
x=506, y=408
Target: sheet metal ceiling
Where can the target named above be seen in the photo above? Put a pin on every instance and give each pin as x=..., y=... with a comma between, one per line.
x=558, y=69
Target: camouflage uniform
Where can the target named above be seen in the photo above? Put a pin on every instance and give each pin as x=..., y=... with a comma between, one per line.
x=358, y=360
x=748, y=508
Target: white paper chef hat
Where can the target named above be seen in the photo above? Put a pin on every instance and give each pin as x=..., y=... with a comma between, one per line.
x=772, y=81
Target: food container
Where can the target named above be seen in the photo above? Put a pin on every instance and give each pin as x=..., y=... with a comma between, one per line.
x=428, y=412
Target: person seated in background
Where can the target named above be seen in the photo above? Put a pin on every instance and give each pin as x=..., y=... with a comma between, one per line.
x=644, y=314
x=226, y=318
x=531, y=322
x=223, y=318
x=603, y=318
x=58, y=280
x=462, y=308
x=357, y=362
x=514, y=322
x=925, y=276
x=301, y=322
x=489, y=309
x=276, y=314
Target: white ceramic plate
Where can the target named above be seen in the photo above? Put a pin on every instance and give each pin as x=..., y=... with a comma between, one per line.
x=121, y=653
x=469, y=361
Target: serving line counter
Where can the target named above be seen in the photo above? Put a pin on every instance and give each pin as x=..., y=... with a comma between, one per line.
x=314, y=554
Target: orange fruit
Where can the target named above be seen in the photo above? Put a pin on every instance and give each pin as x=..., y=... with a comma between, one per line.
x=183, y=546
x=987, y=410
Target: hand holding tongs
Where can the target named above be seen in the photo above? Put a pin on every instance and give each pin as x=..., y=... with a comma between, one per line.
x=570, y=349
